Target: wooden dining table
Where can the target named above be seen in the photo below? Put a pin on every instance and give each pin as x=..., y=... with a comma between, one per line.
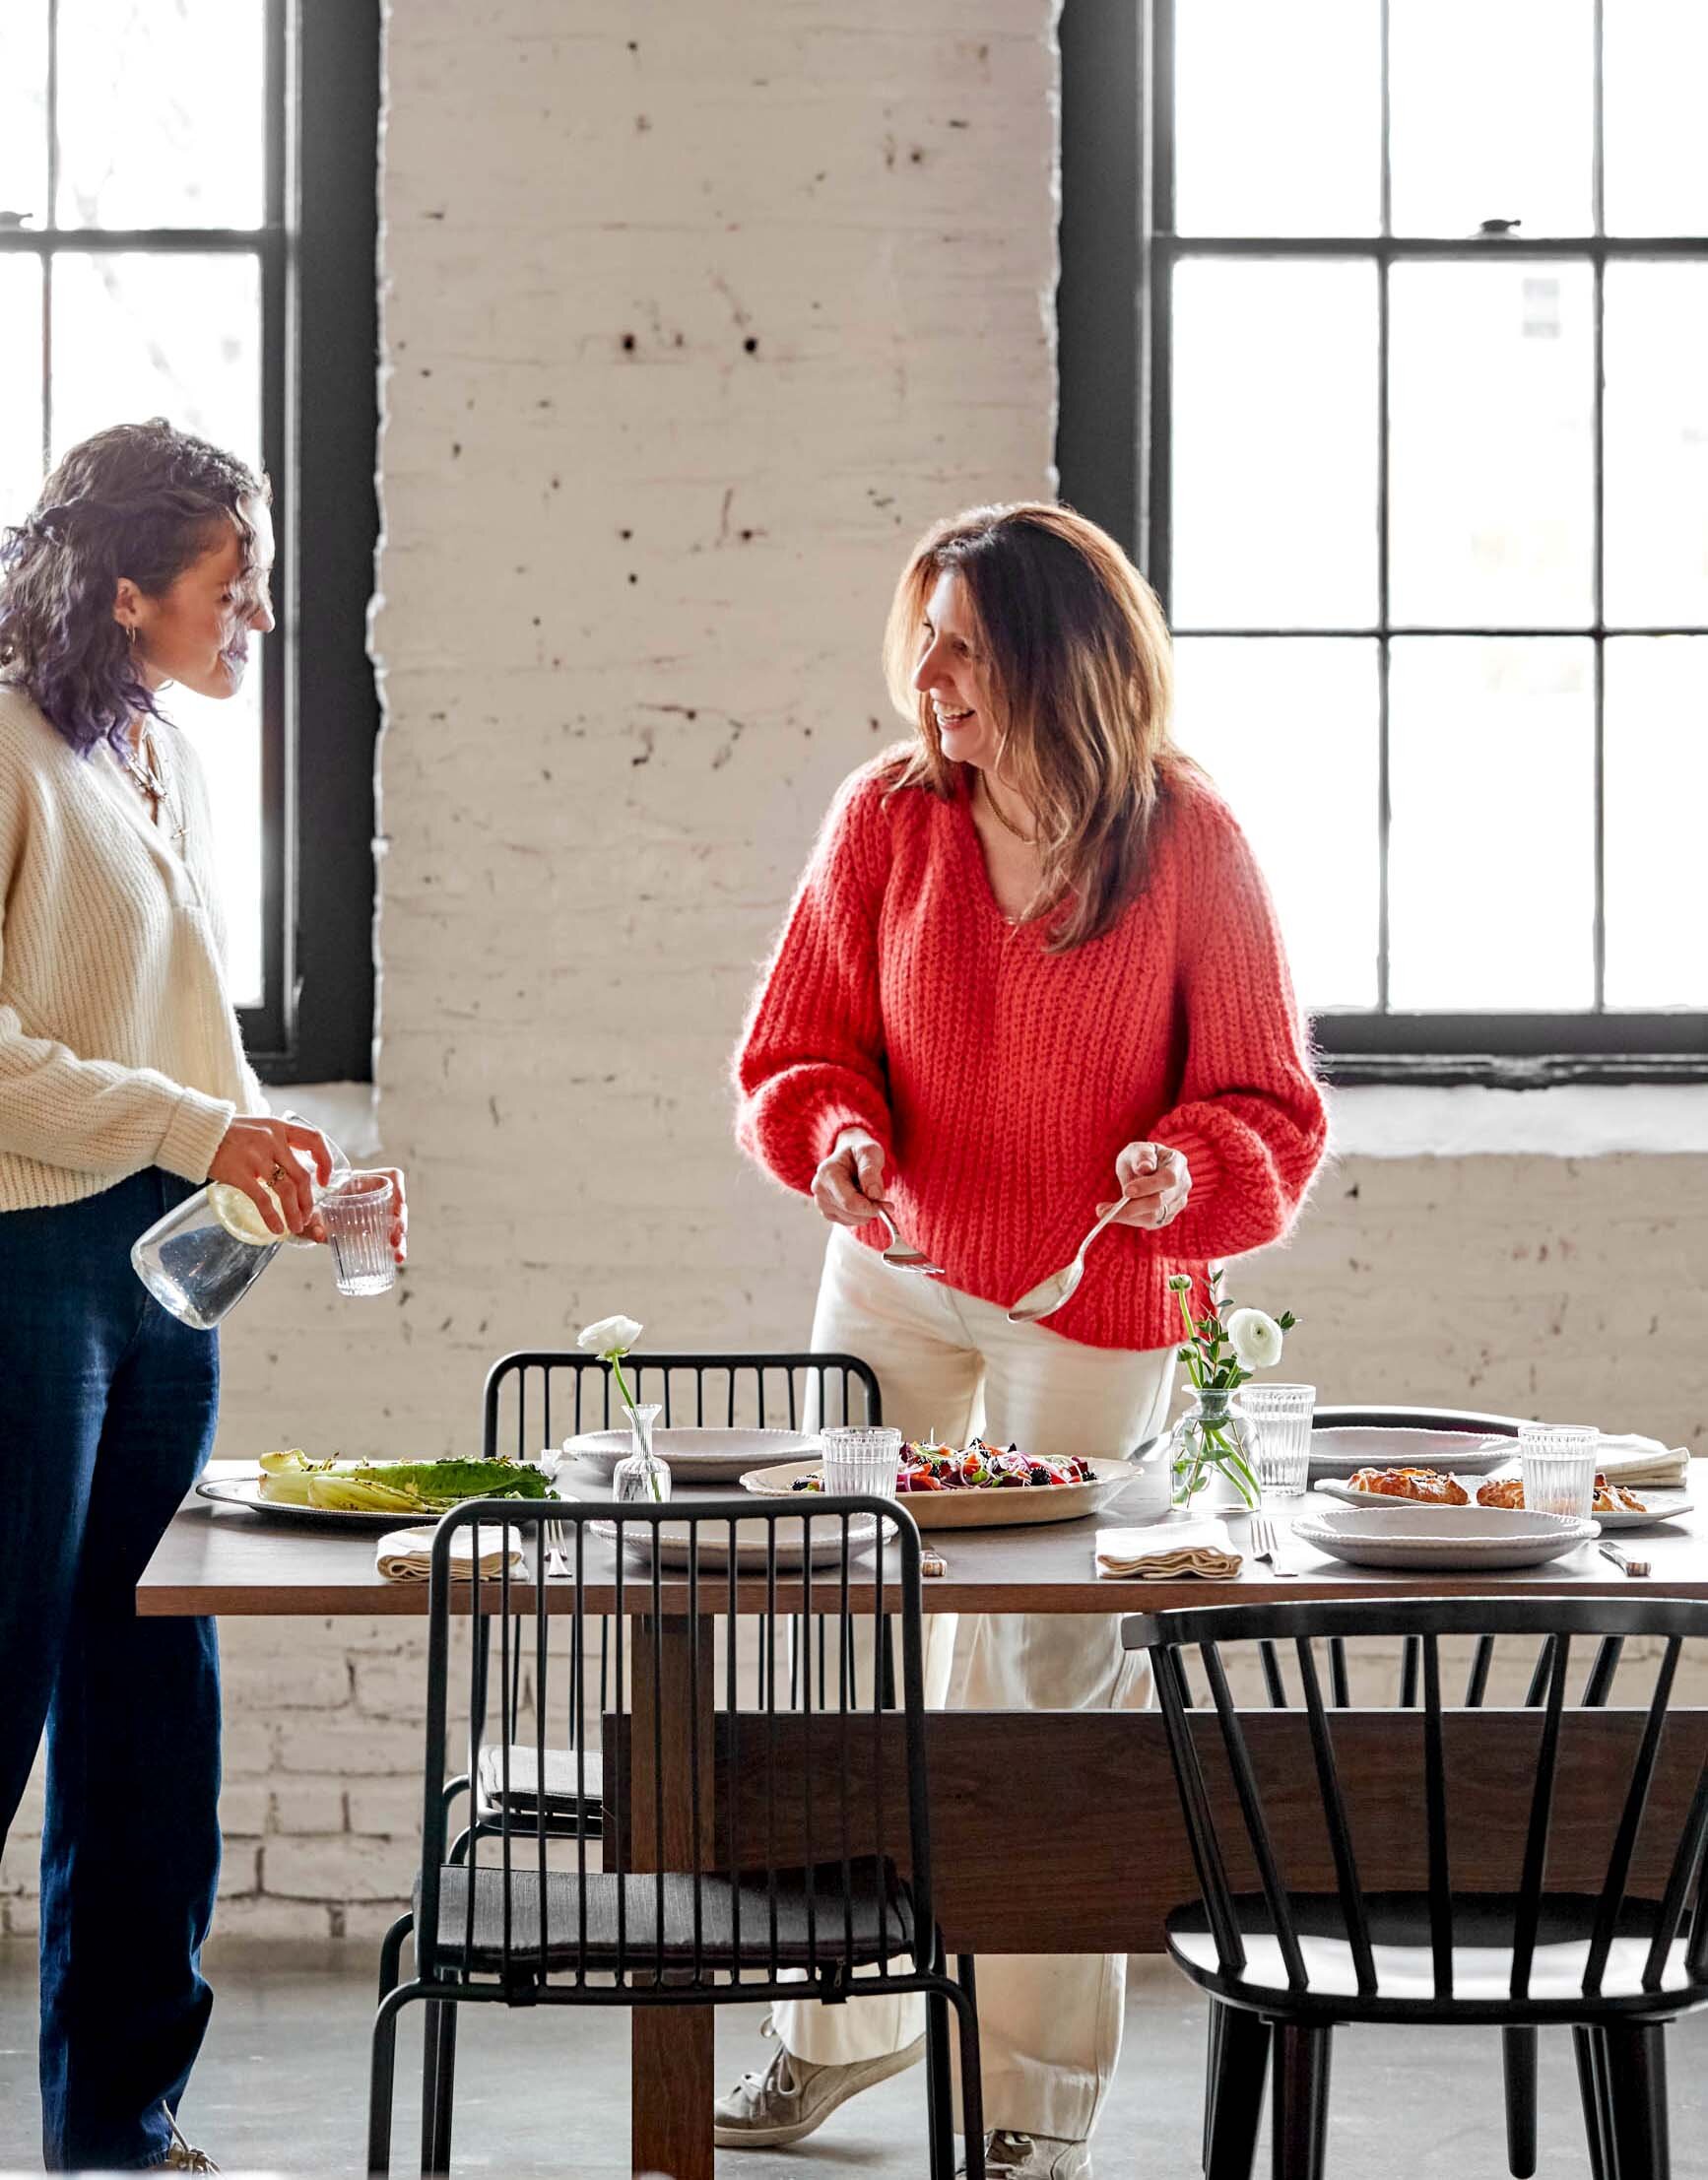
x=1052, y=1831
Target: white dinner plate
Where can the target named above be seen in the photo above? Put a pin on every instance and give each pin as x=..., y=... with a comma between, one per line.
x=245, y=1491
x=1659, y=1505
x=1002, y=1506
x=711, y=1455
x=1339, y=1448
x=1467, y=1540
x=674, y=1538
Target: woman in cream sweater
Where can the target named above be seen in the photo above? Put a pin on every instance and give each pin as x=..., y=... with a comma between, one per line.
x=123, y=1086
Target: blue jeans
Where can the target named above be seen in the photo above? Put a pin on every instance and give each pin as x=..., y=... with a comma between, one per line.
x=106, y=1418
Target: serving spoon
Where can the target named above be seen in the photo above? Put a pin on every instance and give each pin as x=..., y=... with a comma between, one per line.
x=900, y=1256
x=1044, y=1299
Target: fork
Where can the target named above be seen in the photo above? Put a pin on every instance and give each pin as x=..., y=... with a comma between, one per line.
x=1628, y=1560
x=903, y=1256
x=1263, y=1546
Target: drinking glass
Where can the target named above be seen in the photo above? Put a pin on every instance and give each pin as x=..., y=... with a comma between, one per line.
x=1559, y=1461
x=860, y=1461
x=358, y=1218
x=1283, y=1416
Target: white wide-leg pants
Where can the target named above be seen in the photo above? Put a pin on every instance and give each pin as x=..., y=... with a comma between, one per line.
x=1049, y=2025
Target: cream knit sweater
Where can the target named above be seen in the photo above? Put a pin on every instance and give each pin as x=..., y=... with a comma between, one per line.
x=119, y=1046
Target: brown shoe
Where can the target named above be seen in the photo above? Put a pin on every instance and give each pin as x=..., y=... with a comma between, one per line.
x=182, y=2155
x=793, y=2096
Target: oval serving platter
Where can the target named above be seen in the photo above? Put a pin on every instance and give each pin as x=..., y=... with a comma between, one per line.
x=1008, y=1506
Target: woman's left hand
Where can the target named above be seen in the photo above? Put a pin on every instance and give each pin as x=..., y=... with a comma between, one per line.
x=1156, y=1183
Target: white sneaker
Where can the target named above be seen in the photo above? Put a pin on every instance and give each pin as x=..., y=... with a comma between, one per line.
x=1011, y=2157
x=793, y=2096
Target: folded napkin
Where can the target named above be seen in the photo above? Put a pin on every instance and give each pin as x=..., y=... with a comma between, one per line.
x=1627, y=1458
x=406, y=1555
x=1166, y=1549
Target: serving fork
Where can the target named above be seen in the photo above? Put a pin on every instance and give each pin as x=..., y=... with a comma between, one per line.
x=901, y=1256
x=1263, y=1546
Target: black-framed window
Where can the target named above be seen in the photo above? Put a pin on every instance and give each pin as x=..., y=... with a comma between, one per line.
x=187, y=229
x=1384, y=345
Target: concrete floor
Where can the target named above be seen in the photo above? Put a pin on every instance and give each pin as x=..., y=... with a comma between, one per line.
x=282, y=2088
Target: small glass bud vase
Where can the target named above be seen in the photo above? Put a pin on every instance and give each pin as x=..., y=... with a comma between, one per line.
x=641, y=1474
x=1214, y=1445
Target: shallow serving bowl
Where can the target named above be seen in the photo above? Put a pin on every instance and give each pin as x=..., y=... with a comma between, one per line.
x=709, y=1454
x=1471, y=1540
x=1338, y=1449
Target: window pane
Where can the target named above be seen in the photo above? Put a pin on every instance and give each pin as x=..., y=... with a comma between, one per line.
x=1491, y=453
x=1275, y=444
x=1656, y=743
x=20, y=386
x=1655, y=62
x=161, y=114
x=23, y=114
x=1287, y=728
x=1656, y=480
x=1491, y=104
x=140, y=336
x=1277, y=119
x=1491, y=848
x=228, y=739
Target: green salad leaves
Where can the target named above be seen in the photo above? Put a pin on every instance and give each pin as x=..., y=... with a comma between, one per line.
x=394, y=1487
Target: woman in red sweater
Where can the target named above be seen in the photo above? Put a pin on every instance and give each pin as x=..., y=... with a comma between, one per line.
x=1031, y=968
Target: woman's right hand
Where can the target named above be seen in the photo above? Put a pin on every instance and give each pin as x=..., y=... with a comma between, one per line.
x=848, y=1187
x=255, y=1155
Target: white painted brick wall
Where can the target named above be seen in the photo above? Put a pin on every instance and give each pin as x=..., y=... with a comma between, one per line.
x=631, y=601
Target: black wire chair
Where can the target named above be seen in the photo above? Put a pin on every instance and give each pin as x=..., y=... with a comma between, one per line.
x=1287, y=1956
x=744, y=1854
x=537, y=1396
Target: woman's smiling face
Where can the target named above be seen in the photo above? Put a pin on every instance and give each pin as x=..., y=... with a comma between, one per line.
x=197, y=631
x=952, y=673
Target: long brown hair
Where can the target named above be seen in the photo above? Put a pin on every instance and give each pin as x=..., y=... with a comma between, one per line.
x=1078, y=661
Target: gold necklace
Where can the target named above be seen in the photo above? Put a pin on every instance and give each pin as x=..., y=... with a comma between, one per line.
x=1027, y=839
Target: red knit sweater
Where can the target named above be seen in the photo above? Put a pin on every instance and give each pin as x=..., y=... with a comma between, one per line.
x=1001, y=1080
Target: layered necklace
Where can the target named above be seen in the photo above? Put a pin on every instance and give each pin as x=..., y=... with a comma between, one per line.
x=141, y=761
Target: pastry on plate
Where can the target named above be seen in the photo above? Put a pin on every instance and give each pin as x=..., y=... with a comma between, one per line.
x=1429, y=1487
x=1610, y=1498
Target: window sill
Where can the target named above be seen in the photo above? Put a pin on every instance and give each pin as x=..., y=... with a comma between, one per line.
x=1584, y=1120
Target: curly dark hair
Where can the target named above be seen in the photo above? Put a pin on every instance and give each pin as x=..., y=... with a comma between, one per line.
x=138, y=500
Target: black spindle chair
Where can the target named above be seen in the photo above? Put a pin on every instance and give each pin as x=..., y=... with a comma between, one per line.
x=1290, y=1944
x=1518, y=2044
x=744, y=1853
x=536, y=1397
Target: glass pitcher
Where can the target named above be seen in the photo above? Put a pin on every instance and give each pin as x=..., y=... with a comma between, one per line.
x=205, y=1254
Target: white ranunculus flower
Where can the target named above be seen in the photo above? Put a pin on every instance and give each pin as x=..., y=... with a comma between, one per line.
x=616, y=1335
x=1256, y=1336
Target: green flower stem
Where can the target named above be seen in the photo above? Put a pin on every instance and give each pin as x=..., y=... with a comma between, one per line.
x=614, y=1358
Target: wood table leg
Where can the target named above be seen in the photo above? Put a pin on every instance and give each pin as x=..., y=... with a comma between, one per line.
x=671, y=2046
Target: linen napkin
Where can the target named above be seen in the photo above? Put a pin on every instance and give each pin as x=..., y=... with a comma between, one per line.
x=1165, y=1551
x=406, y=1555
x=1629, y=1458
